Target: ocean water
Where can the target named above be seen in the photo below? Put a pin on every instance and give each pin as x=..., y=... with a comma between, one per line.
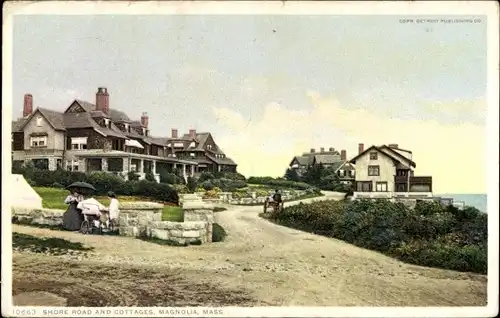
x=479, y=201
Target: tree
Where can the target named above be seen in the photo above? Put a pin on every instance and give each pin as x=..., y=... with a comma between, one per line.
x=292, y=175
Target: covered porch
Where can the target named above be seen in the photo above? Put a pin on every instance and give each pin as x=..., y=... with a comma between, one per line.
x=122, y=163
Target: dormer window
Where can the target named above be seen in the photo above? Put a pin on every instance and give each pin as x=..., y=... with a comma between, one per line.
x=106, y=122
x=192, y=144
x=144, y=131
x=209, y=147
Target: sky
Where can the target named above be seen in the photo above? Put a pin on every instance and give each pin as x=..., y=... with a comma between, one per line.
x=269, y=87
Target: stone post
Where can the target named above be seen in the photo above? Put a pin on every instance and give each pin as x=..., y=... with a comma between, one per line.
x=134, y=217
x=200, y=211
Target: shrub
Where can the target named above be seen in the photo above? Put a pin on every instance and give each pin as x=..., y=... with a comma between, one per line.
x=230, y=175
x=57, y=185
x=150, y=176
x=218, y=233
x=205, y=176
x=180, y=188
x=132, y=176
x=191, y=184
x=104, y=182
x=429, y=235
x=167, y=177
x=279, y=183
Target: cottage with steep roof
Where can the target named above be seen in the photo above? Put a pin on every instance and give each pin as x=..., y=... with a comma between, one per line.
x=387, y=172
x=95, y=137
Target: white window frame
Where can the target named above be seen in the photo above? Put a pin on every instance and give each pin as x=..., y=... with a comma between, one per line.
x=381, y=186
x=192, y=154
x=39, y=121
x=72, y=164
x=106, y=122
x=77, y=143
x=38, y=141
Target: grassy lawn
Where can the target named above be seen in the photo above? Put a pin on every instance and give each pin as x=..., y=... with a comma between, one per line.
x=53, y=198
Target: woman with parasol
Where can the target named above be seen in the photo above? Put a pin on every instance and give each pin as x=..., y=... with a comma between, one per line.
x=73, y=218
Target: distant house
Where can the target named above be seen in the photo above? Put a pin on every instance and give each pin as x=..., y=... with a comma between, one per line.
x=328, y=158
x=91, y=137
x=387, y=172
x=202, y=149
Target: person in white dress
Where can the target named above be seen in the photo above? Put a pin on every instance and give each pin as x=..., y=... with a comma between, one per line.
x=114, y=207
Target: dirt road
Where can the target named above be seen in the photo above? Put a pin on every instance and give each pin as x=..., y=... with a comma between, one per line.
x=259, y=263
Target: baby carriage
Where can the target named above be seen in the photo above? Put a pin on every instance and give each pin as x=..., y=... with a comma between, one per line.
x=93, y=220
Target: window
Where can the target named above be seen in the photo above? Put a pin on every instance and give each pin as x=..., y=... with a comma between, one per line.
x=72, y=165
x=39, y=121
x=381, y=187
x=373, y=155
x=209, y=147
x=79, y=143
x=127, y=128
x=39, y=141
x=192, y=154
x=374, y=170
x=143, y=131
x=106, y=122
x=364, y=186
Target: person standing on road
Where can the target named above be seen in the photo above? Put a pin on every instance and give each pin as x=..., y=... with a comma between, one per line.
x=114, y=207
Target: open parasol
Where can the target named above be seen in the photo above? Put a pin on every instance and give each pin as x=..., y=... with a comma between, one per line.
x=81, y=185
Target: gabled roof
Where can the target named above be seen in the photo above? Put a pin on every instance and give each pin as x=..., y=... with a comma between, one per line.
x=326, y=158
x=344, y=165
x=17, y=125
x=115, y=115
x=390, y=154
x=222, y=161
x=302, y=160
x=54, y=118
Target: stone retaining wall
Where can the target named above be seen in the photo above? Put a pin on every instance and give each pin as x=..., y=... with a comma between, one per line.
x=228, y=198
x=37, y=216
x=139, y=219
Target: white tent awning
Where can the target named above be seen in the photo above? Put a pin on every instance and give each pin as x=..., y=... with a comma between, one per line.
x=133, y=143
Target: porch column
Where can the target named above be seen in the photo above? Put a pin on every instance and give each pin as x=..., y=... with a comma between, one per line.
x=153, y=166
x=104, y=164
x=140, y=169
x=125, y=165
x=192, y=170
x=184, y=172
x=219, y=168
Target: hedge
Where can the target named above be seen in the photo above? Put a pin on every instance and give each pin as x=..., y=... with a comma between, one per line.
x=428, y=235
x=102, y=181
x=279, y=183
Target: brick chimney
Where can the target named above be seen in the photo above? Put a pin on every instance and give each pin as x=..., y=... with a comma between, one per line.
x=331, y=149
x=313, y=150
x=393, y=146
x=102, y=100
x=322, y=149
x=343, y=155
x=361, y=148
x=192, y=133
x=28, y=105
x=174, y=133
x=145, y=119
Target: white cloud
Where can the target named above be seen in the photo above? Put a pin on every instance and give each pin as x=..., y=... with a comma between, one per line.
x=266, y=146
